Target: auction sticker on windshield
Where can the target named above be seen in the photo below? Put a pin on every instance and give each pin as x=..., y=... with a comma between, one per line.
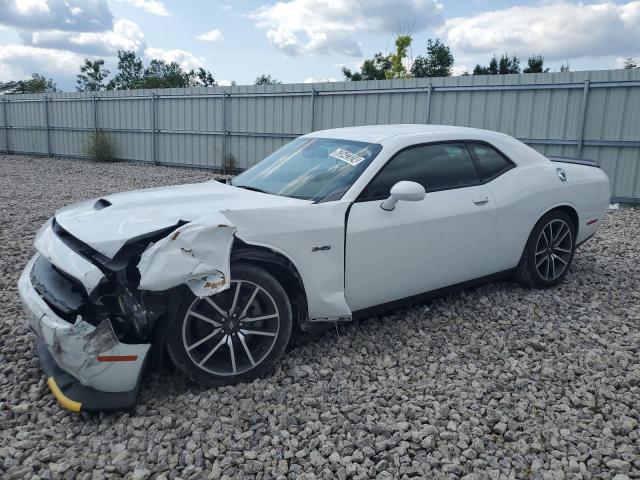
x=346, y=156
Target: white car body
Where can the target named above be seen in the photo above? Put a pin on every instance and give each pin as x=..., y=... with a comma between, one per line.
x=351, y=256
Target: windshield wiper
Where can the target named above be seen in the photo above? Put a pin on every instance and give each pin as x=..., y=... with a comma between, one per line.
x=253, y=189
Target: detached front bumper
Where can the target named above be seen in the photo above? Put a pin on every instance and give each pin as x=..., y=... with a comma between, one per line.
x=88, y=369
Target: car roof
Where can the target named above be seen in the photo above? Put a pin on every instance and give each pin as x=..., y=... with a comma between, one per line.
x=379, y=133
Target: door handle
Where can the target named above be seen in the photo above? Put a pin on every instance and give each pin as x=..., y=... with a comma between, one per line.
x=481, y=200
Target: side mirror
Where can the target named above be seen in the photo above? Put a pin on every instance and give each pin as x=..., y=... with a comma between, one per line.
x=407, y=191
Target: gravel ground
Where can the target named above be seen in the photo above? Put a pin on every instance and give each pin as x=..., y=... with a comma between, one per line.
x=497, y=382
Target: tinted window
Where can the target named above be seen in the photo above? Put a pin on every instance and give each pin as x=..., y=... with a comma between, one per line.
x=491, y=162
x=435, y=167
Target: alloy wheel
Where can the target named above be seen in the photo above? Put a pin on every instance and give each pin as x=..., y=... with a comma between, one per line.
x=553, y=249
x=233, y=331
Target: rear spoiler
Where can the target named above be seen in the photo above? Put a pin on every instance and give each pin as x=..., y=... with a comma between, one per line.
x=579, y=161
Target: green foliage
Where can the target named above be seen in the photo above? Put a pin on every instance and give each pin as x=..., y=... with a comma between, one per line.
x=630, y=64
x=130, y=72
x=508, y=65
x=565, y=67
x=266, y=79
x=202, y=78
x=535, y=64
x=437, y=63
x=371, y=69
x=503, y=66
x=493, y=66
x=398, y=70
x=99, y=147
x=160, y=74
x=92, y=76
x=36, y=84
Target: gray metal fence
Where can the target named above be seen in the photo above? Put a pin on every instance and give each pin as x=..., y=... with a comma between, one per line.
x=586, y=114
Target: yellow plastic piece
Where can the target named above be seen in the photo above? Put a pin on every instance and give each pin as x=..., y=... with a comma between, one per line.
x=66, y=402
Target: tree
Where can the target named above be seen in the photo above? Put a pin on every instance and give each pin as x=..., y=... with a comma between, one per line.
x=36, y=84
x=493, y=66
x=480, y=70
x=266, y=79
x=202, y=78
x=398, y=70
x=492, y=69
x=437, y=63
x=565, y=67
x=160, y=74
x=371, y=69
x=535, y=64
x=630, y=64
x=508, y=65
x=92, y=75
x=130, y=72
x=503, y=66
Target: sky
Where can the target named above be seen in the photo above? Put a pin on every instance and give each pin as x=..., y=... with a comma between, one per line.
x=307, y=40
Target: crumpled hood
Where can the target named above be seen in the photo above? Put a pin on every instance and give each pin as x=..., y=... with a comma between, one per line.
x=107, y=225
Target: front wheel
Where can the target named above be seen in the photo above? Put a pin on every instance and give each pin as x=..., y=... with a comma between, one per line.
x=548, y=252
x=234, y=336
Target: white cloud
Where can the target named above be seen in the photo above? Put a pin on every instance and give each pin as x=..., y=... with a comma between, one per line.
x=318, y=80
x=460, y=69
x=154, y=7
x=67, y=15
x=226, y=83
x=186, y=60
x=126, y=35
x=214, y=35
x=328, y=26
x=558, y=30
x=20, y=61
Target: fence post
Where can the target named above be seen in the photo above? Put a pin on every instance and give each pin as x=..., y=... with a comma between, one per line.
x=154, y=128
x=313, y=108
x=224, y=133
x=583, y=117
x=6, y=124
x=46, y=121
x=428, y=114
x=94, y=105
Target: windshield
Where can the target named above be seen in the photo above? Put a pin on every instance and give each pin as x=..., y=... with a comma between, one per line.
x=310, y=168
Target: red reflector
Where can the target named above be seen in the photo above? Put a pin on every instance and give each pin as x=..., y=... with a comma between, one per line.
x=591, y=222
x=117, y=358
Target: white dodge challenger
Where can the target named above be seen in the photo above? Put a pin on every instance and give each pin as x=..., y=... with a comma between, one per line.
x=335, y=225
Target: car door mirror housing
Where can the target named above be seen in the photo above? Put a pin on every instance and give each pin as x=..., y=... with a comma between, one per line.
x=405, y=190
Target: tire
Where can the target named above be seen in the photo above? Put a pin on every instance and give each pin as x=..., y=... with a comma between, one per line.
x=214, y=348
x=548, y=252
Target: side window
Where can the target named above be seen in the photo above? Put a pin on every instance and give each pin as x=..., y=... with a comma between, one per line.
x=491, y=162
x=436, y=167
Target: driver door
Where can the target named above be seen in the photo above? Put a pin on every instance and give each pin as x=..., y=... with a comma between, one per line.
x=423, y=245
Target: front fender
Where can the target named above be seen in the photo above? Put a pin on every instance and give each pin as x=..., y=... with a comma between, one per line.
x=196, y=254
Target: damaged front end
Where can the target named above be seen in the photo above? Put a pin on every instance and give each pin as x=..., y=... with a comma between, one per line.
x=95, y=328
x=98, y=320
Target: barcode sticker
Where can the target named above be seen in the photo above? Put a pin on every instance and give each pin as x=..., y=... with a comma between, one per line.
x=346, y=156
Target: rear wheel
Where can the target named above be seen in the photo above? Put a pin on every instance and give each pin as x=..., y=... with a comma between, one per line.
x=236, y=335
x=548, y=252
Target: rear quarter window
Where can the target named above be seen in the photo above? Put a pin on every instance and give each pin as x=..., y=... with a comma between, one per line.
x=491, y=162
